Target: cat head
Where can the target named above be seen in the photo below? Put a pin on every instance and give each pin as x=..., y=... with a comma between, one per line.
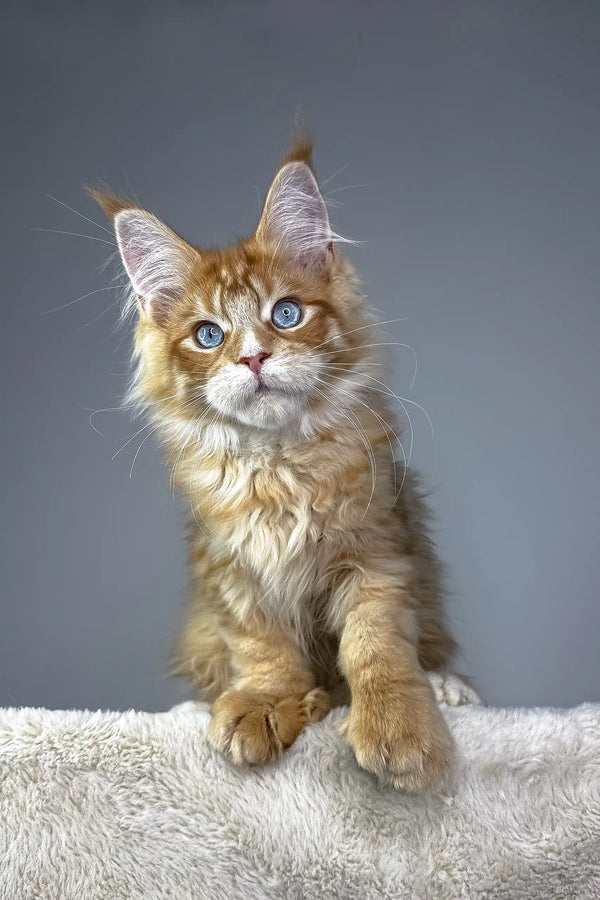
x=248, y=335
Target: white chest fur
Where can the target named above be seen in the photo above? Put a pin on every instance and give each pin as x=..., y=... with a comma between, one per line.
x=269, y=520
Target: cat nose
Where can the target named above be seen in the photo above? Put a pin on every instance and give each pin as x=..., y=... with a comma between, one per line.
x=255, y=362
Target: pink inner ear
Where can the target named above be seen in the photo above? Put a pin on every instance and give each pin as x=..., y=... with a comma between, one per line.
x=156, y=260
x=318, y=260
x=159, y=305
x=133, y=250
x=295, y=218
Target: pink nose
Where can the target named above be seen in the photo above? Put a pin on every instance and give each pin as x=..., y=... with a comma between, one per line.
x=255, y=362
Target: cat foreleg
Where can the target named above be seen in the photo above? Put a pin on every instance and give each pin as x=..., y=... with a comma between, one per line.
x=394, y=723
x=272, y=697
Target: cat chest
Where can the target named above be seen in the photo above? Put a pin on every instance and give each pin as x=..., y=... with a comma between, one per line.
x=283, y=543
x=286, y=560
x=280, y=530
x=276, y=529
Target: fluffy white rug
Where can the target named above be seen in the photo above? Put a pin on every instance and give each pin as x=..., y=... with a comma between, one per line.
x=133, y=805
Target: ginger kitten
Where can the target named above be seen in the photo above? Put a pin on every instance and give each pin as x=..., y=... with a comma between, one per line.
x=312, y=572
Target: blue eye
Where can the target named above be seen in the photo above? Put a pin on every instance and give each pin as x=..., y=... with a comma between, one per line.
x=286, y=313
x=209, y=335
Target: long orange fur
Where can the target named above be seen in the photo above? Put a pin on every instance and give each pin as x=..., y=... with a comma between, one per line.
x=313, y=579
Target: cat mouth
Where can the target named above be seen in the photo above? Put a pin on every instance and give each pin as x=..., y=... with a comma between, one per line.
x=278, y=390
x=266, y=394
x=262, y=389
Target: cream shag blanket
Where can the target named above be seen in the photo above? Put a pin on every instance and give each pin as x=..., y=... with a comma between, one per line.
x=106, y=805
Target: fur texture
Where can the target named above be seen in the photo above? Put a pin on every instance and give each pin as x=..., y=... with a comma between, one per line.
x=312, y=571
x=133, y=806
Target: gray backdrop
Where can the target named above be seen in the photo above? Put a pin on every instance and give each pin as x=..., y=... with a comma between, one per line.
x=463, y=141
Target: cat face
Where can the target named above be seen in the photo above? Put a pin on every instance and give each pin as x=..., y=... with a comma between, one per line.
x=248, y=334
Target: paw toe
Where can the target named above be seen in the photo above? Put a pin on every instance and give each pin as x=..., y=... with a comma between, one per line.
x=451, y=690
x=255, y=728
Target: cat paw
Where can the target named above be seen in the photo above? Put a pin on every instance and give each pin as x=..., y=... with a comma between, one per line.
x=255, y=728
x=451, y=690
x=402, y=738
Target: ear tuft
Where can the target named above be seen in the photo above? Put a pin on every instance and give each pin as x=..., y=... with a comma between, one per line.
x=301, y=148
x=109, y=202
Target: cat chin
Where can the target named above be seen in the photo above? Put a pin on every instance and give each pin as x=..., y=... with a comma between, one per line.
x=269, y=411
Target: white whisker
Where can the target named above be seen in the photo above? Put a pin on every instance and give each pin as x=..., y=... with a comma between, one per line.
x=401, y=401
x=352, y=331
x=406, y=461
x=367, y=444
x=131, y=188
x=349, y=187
x=388, y=390
x=75, y=234
x=100, y=314
x=335, y=174
x=132, y=438
x=150, y=433
x=385, y=426
x=81, y=216
x=47, y=312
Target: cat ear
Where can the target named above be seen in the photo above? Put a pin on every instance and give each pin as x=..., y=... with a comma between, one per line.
x=156, y=259
x=295, y=219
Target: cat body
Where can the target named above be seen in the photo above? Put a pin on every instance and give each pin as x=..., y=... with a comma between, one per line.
x=281, y=534
x=313, y=579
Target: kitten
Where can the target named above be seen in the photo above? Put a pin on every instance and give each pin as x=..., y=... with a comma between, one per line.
x=312, y=572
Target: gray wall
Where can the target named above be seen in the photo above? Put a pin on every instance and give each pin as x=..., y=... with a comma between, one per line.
x=469, y=133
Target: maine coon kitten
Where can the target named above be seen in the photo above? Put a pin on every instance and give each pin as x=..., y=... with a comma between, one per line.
x=312, y=571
